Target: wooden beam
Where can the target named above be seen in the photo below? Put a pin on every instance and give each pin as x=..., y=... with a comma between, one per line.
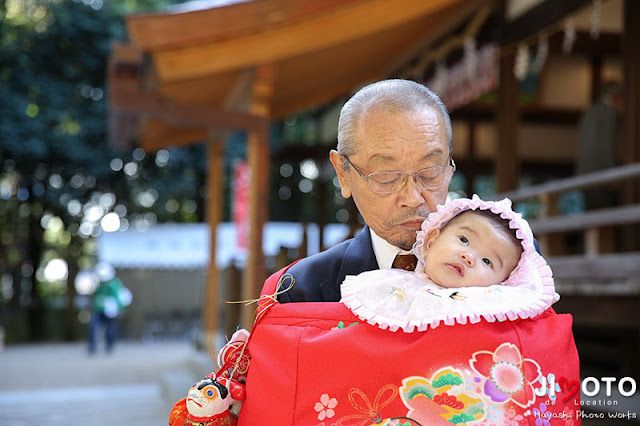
x=215, y=193
x=600, y=310
x=258, y=159
x=608, y=267
x=631, y=110
x=538, y=18
x=441, y=24
x=589, y=180
x=340, y=25
x=125, y=96
x=154, y=135
x=508, y=120
x=528, y=115
x=591, y=219
x=606, y=45
x=179, y=27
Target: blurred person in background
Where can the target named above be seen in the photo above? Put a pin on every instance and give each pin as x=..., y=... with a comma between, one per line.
x=598, y=131
x=599, y=136
x=108, y=303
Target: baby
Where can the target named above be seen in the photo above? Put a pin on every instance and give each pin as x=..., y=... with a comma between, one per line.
x=476, y=259
x=475, y=248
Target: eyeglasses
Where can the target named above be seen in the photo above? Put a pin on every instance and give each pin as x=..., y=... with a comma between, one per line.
x=390, y=182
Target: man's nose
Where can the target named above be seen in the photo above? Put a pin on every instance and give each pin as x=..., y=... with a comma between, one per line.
x=412, y=194
x=467, y=258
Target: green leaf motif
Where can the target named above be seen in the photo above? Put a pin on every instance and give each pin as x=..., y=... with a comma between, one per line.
x=461, y=418
x=475, y=410
x=421, y=390
x=341, y=324
x=447, y=380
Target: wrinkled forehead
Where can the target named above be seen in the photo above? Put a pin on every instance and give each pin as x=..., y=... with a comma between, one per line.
x=388, y=136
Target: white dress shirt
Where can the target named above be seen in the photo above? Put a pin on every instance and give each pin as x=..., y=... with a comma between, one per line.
x=385, y=253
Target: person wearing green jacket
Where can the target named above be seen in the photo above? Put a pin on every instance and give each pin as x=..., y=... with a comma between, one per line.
x=107, y=304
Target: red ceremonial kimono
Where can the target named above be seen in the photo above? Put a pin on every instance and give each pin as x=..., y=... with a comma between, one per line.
x=316, y=363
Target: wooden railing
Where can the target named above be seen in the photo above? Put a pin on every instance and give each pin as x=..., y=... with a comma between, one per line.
x=601, y=290
x=592, y=272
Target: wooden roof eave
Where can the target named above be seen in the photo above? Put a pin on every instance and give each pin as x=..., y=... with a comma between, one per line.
x=171, y=29
x=273, y=44
x=132, y=98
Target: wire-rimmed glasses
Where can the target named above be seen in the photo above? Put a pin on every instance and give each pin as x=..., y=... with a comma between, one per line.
x=389, y=182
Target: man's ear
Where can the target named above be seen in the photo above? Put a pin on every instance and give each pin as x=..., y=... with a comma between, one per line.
x=337, y=161
x=431, y=237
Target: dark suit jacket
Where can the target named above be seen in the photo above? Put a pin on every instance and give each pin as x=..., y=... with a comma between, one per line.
x=318, y=277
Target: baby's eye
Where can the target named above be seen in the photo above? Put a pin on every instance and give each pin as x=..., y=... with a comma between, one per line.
x=463, y=239
x=487, y=262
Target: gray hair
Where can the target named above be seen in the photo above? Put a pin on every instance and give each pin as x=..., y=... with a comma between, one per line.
x=390, y=95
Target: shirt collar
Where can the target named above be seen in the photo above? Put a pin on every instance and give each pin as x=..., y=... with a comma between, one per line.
x=385, y=253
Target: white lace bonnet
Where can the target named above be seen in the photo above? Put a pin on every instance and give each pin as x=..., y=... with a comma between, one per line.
x=531, y=272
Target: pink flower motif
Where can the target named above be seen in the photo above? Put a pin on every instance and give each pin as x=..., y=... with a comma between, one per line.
x=568, y=415
x=509, y=376
x=325, y=407
x=512, y=418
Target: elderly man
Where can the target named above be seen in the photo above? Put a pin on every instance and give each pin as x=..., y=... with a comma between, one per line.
x=319, y=363
x=394, y=159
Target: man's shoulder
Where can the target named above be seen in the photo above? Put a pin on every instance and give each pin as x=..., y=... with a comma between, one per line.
x=317, y=278
x=322, y=260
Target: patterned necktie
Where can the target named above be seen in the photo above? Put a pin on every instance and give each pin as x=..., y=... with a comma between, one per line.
x=407, y=262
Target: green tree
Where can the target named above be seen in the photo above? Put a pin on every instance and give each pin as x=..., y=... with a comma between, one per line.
x=55, y=162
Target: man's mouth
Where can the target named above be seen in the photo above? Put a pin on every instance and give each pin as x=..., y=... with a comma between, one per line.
x=412, y=223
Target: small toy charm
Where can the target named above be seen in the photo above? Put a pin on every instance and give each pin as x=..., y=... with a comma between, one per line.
x=209, y=402
x=233, y=359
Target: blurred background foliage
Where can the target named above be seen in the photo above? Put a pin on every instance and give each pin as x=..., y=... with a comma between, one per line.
x=61, y=184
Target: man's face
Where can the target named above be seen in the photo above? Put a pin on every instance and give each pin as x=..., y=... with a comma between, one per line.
x=396, y=141
x=469, y=252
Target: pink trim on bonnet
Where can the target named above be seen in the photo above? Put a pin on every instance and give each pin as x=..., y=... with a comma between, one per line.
x=531, y=273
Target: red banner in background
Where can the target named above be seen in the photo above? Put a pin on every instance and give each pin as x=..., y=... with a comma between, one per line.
x=240, y=187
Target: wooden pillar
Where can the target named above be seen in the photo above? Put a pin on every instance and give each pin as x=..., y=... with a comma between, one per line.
x=215, y=188
x=508, y=115
x=322, y=207
x=631, y=69
x=258, y=159
x=596, y=77
x=631, y=108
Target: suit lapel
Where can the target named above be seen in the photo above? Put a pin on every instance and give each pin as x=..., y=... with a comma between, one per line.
x=358, y=258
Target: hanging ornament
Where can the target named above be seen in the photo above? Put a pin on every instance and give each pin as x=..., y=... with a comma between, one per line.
x=596, y=14
x=521, y=66
x=541, y=53
x=569, y=36
x=440, y=79
x=470, y=57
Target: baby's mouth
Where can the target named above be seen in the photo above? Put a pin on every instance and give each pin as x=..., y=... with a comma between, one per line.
x=457, y=268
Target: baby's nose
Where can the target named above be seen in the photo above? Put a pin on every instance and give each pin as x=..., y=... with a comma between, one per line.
x=467, y=258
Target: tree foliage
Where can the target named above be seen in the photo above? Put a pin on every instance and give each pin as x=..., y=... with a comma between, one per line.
x=55, y=163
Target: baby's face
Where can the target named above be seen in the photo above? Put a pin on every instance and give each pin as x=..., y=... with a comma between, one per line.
x=470, y=252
